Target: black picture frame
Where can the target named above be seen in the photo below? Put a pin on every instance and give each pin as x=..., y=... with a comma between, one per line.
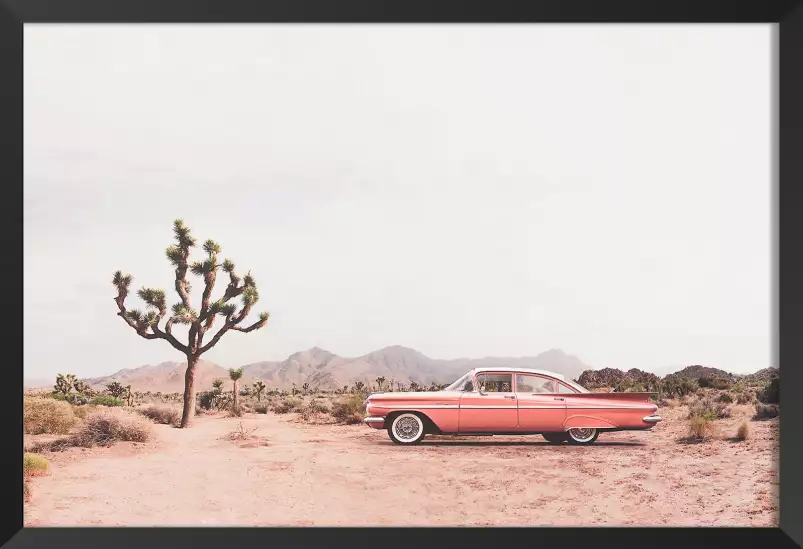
x=788, y=290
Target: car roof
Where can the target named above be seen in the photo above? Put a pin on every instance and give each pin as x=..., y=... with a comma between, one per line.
x=520, y=371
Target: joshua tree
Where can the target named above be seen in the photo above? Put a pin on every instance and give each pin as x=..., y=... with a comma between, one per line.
x=258, y=388
x=305, y=388
x=359, y=386
x=64, y=383
x=235, y=374
x=128, y=393
x=380, y=382
x=82, y=387
x=294, y=389
x=146, y=324
x=115, y=389
x=217, y=385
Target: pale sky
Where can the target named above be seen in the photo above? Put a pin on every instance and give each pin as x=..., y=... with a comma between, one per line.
x=464, y=190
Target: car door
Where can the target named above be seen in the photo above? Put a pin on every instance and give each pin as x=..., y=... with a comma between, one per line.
x=491, y=407
x=541, y=407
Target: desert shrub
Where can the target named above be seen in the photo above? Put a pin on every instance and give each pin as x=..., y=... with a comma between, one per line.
x=106, y=426
x=676, y=386
x=106, y=400
x=766, y=411
x=26, y=491
x=261, y=407
x=82, y=411
x=236, y=412
x=287, y=406
x=745, y=397
x=349, y=409
x=700, y=428
x=77, y=399
x=709, y=408
x=743, y=432
x=714, y=383
x=34, y=465
x=47, y=416
x=771, y=393
x=726, y=398
x=166, y=415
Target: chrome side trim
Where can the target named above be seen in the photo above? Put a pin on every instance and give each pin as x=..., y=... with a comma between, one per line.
x=412, y=406
x=651, y=419
x=370, y=420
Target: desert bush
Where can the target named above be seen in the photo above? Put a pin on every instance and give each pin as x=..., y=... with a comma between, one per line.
x=700, y=428
x=287, y=406
x=166, y=415
x=34, y=465
x=349, y=409
x=709, y=408
x=743, y=432
x=714, y=383
x=106, y=426
x=726, y=398
x=106, y=400
x=676, y=386
x=766, y=411
x=47, y=416
x=77, y=399
x=771, y=393
x=261, y=408
x=745, y=397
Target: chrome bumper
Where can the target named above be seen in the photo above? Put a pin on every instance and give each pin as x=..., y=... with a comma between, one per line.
x=375, y=422
x=651, y=419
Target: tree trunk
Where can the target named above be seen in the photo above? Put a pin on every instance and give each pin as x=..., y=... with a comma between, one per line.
x=235, y=397
x=189, y=392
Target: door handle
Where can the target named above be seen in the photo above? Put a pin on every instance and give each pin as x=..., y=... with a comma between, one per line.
x=511, y=396
x=558, y=398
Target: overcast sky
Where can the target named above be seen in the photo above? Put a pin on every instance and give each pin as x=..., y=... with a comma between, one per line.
x=462, y=190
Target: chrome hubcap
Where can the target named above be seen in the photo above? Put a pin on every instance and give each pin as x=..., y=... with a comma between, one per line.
x=407, y=428
x=581, y=435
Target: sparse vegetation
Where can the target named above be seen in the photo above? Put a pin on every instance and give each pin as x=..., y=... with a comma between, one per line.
x=105, y=400
x=743, y=432
x=166, y=415
x=235, y=374
x=766, y=411
x=745, y=397
x=146, y=323
x=259, y=388
x=115, y=389
x=34, y=465
x=700, y=428
x=726, y=398
x=261, y=408
x=709, y=408
x=106, y=426
x=286, y=406
x=47, y=416
x=349, y=409
x=772, y=392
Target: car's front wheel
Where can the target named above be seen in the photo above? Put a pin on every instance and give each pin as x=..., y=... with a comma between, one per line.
x=582, y=436
x=406, y=428
x=554, y=438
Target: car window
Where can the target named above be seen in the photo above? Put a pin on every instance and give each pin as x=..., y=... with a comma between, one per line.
x=468, y=386
x=495, y=383
x=564, y=390
x=534, y=384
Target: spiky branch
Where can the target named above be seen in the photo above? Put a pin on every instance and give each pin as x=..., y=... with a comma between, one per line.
x=147, y=323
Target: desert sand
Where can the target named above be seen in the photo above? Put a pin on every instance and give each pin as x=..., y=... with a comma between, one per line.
x=291, y=473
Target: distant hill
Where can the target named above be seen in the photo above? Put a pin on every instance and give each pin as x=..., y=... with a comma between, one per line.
x=767, y=374
x=697, y=371
x=326, y=370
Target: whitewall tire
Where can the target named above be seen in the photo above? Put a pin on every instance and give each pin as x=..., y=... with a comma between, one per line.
x=582, y=436
x=407, y=428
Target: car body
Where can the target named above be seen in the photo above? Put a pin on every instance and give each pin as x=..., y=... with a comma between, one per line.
x=510, y=401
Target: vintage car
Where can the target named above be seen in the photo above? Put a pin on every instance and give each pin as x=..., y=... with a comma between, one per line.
x=510, y=401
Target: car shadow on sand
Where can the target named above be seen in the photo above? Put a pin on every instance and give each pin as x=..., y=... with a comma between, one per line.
x=513, y=443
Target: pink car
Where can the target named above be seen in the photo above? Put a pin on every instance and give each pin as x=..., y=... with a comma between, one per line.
x=510, y=401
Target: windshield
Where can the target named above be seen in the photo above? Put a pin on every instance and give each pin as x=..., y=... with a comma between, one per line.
x=460, y=384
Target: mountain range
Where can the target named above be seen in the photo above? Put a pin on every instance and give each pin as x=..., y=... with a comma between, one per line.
x=325, y=370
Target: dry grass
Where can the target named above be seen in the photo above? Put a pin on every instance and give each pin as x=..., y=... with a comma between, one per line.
x=766, y=411
x=701, y=428
x=287, y=406
x=743, y=432
x=82, y=411
x=105, y=427
x=349, y=409
x=241, y=434
x=708, y=407
x=261, y=408
x=34, y=465
x=47, y=416
x=166, y=415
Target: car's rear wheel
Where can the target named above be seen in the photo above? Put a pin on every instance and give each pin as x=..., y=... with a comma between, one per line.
x=554, y=438
x=582, y=436
x=407, y=428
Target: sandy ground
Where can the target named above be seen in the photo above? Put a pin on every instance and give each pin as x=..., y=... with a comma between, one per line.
x=298, y=474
